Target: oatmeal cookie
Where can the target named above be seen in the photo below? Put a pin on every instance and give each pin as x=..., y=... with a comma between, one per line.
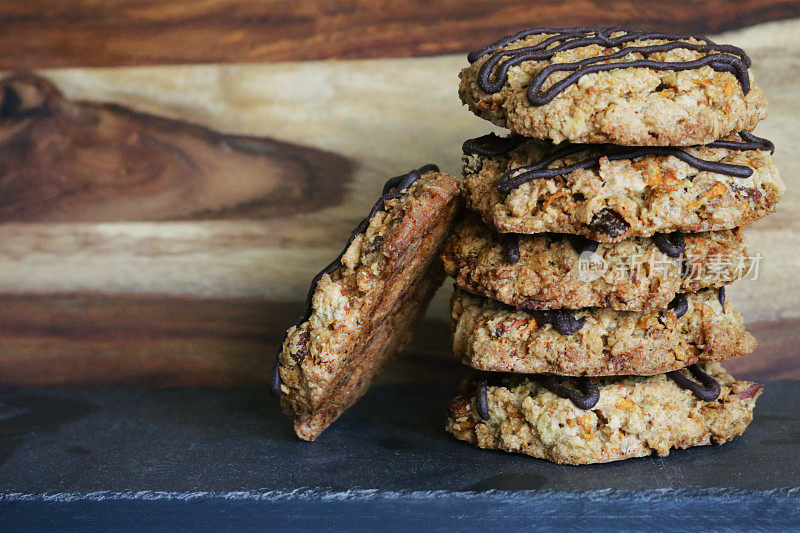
x=489, y=335
x=547, y=271
x=361, y=308
x=611, y=85
x=632, y=417
x=610, y=193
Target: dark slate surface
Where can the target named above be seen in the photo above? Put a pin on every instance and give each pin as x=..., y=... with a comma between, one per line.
x=222, y=457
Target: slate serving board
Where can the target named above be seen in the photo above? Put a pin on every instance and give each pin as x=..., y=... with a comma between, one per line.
x=227, y=458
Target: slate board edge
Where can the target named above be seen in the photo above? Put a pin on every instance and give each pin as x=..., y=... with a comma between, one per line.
x=602, y=510
x=655, y=495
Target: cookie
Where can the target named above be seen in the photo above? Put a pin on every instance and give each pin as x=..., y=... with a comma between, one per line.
x=611, y=193
x=361, y=308
x=489, y=335
x=548, y=271
x=611, y=85
x=630, y=416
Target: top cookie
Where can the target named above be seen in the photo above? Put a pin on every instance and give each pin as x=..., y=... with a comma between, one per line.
x=361, y=307
x=610, y=85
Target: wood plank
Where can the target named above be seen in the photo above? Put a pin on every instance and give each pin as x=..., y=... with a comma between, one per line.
x=71, y=161
x=57, y=33
x=776, y=355
x=97, y=340
x=158, y=342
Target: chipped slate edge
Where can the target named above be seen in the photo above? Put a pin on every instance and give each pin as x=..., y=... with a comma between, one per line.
x=648, y=495
x=371, y=510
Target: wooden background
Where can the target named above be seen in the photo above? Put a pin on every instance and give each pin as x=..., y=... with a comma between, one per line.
x=160, y=220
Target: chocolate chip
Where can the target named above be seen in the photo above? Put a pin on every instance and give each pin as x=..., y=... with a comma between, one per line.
x=482, y=399
x=609, y=222
x=563, y=321
x=566, y=323
x=511, y=244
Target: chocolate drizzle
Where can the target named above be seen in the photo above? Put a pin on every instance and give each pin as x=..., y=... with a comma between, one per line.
x=586, y=398
x=394, y=188
x=671, y=244
x=493, y=74
x=752, y=142
x=516, y=177
x=707, y=389
x=491, y=145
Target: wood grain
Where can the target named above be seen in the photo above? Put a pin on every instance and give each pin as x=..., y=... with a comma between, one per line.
x=72, y=161
x=203, y=298
x=94, y=339
x=385, y=127
x=97, y=340
x=158, y=342
x=64, y=33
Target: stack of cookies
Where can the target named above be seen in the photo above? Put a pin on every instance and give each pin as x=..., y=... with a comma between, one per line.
x=591, y=267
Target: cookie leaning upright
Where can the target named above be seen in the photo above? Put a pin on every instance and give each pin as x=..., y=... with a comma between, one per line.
x=361, y=308
x=609, y=85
